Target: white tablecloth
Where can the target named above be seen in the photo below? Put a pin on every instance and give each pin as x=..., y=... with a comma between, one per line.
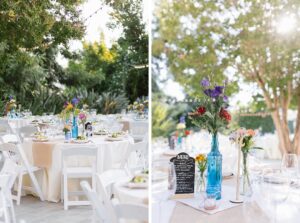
x=109, y=156
x=128, y=195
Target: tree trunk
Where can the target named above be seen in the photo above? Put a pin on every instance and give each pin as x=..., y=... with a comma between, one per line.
x=285, y=145
x=296, y=141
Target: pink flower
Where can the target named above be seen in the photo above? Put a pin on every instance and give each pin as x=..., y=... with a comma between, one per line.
x=82, y=116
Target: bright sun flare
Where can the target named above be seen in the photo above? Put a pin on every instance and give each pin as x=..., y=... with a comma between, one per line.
x=285, y=24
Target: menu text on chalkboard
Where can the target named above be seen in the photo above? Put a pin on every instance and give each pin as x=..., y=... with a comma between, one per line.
x=185, y=173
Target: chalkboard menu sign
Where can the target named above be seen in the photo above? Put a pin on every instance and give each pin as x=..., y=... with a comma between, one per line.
x=185, y=173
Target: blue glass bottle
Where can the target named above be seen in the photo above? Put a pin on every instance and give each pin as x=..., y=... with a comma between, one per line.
x=214, y=169
x=74, y=128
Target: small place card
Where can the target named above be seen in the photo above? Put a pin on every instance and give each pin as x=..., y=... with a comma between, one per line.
x=185, y=173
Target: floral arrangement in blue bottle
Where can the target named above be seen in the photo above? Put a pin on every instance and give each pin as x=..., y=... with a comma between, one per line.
x=70, y=109
x=211, y=114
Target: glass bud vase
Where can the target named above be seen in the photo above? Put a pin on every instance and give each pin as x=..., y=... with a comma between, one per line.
x=74, y=128
x=67, y=136
x=245, y=183
x=199, y=183
x=214, y=169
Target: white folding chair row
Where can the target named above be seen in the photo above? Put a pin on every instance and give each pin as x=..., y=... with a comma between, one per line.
x=11, y=149
x=108, y=209
x=77, y=172
x=8, y=175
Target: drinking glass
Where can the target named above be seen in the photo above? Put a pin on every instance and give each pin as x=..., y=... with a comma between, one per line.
x=163, y=182
x=289, y=165
x=275, y=187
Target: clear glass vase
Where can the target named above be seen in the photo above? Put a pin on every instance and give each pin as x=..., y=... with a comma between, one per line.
x=199, y=183
x=214, y=169
x=245, y=183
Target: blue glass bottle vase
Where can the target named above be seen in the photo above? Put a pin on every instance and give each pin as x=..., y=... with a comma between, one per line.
x=74, y=128
x=214, y=169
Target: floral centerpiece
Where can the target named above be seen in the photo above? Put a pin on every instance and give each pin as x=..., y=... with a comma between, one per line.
x=212, y=114
x=181, y=131
x=82, y=119
x=244, y=139
x=201, y=163
x=67, y=131
x=67, y=111
x=70, y=109
x=10, y=107
x=140, y=106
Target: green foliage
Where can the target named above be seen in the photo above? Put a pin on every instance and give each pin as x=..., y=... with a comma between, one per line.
x=32, y=33
x=264, y=124
x=132, y=60
x=110, y=103
x=183, y=37
x=35, y=25
x=165, y=116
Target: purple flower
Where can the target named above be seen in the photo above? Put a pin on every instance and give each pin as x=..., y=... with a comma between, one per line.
x=208, y=92
x=225, y=98
x=66, y=103
x=182, y=119
x=214, y=93
x=75, y=101
x=10, y=97
x=205, y=82
x=219, y=89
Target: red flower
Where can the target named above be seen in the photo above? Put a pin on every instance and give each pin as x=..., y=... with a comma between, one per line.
x=201, y=110
x=225, y=114
x=187, y=132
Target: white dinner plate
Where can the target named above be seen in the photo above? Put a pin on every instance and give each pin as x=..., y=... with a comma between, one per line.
x=114, y=139
x=40, y=140
x=101, y=133
x=79, y=141
x=132, y=185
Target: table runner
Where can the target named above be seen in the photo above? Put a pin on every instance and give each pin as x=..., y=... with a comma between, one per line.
x=42, y=154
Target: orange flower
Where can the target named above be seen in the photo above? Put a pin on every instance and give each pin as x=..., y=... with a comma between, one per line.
x=200, y=158
x=69, y=106
x=251, y=132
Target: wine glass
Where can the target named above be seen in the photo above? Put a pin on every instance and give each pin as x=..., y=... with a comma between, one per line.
x=289, y=165
x=275, y=187
x=163, y=182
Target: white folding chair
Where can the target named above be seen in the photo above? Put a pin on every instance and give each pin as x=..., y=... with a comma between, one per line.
x=138, y=212
x=118, y=211
x=77, y=172
x=5, y=127
x=138, y=130
x=4, y=209
x=99, y=210
x=15, y=153
x=8, y=176
x=137, y=153
x=26, y=131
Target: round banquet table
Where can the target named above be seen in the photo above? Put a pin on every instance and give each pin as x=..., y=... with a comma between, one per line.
x=130, y=195
x=47, y=155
